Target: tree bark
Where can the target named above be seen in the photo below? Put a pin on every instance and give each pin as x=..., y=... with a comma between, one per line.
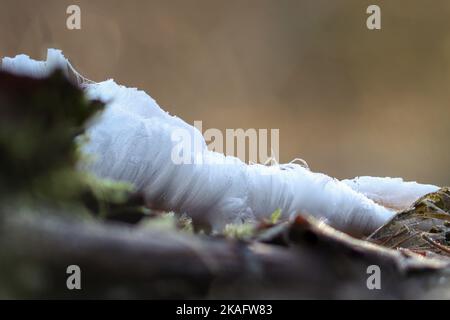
x=309, y=260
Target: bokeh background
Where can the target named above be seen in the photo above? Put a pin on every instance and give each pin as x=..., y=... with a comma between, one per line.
x=347, y=100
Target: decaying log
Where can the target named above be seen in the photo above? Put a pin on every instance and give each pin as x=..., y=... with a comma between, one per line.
x=119, y=261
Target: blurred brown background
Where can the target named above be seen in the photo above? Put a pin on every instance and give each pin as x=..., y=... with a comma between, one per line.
x=347, y=100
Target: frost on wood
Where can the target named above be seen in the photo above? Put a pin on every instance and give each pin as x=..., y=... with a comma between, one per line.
x=133, y=141
x=76, y=216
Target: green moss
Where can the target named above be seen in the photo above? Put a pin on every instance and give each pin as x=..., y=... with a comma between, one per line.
x=39, y=119
x=41, y=133
x=241, y=231
x=275, y=216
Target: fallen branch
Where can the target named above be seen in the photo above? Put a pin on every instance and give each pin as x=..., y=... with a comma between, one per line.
x=131, y=262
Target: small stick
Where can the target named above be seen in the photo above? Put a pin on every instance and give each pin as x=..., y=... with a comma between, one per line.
x=435, y=244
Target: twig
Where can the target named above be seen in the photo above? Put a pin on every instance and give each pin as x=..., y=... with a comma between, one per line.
x=436, y=244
